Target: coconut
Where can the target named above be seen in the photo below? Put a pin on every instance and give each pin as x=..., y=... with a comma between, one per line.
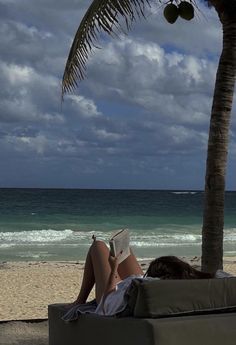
x=186, y=10
x=171, y=13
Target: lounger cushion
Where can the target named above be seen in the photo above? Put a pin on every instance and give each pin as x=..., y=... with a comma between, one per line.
x=163, y=298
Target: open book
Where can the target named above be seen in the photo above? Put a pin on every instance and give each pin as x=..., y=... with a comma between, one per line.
x=120, y=242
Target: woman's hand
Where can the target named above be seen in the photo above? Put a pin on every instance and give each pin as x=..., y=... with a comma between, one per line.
x=114, y=276
x=114, y=261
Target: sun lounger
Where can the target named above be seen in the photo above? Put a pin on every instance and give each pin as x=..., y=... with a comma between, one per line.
x=166, y=312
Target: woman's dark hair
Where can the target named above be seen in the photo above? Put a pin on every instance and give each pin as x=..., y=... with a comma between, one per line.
x=171, y=267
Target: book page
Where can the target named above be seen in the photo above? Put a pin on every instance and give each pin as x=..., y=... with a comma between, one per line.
x=120, y=242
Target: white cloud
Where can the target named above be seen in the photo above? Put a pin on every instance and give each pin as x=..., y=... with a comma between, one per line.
x=104, y=134
x=175, y=87
x=26, y=93
x=24, y=144
x=17, y=75
x=83, y=106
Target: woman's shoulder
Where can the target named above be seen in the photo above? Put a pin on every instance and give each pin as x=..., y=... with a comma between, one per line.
x=145, y=278
x=128, y=280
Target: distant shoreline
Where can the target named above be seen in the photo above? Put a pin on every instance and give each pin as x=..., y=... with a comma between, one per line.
x=113, y=189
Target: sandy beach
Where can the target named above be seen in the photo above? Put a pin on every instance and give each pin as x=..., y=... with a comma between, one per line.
x=28, y=287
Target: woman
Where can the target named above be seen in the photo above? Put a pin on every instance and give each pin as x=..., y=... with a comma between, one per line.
x=112, y=279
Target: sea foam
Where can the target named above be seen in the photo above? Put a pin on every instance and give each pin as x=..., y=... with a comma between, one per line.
x=34, y=236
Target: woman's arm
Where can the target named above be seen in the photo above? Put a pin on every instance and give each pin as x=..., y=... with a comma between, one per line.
x=112, y=280
x=113, y=277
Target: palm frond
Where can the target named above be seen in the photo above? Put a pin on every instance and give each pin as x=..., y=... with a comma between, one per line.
x=102, y=16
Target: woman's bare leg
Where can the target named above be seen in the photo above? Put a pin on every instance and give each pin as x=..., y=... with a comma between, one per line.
x=88, y=279
x=97, y=270
x=101, y=267
x=129, y=266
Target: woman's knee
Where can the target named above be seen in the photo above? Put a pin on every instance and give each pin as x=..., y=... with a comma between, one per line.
x=99, y=246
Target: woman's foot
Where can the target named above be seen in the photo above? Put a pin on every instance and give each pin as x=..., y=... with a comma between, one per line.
x=94, y=238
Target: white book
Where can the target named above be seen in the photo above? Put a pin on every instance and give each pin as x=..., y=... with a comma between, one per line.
x=119, y=242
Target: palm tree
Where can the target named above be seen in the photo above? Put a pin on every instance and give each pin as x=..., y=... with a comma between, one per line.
x=213, y=219
x=107, y=15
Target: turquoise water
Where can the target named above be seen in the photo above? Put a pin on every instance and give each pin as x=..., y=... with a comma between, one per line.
x=57, y=224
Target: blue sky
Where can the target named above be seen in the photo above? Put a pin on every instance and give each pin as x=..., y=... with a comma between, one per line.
x=139, y=120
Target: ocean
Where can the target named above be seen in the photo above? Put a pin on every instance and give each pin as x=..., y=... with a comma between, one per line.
x=57, y=224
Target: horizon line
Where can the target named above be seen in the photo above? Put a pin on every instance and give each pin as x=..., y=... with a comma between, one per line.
x=114, y=188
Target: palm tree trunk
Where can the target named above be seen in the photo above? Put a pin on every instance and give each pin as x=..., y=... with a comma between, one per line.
x=213, y=218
